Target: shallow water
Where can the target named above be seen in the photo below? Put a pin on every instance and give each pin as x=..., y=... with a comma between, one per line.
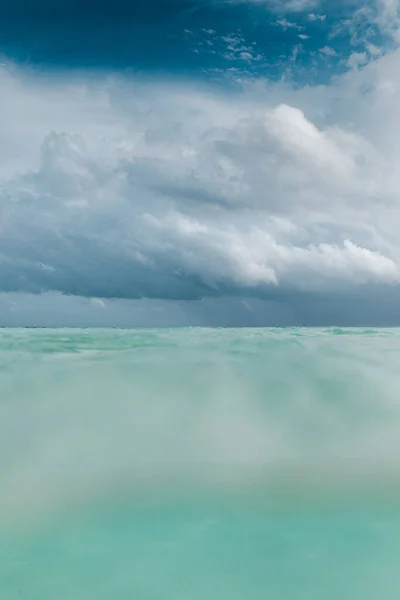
x=195, y=463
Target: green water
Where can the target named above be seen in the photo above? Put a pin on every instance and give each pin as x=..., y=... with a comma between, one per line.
x=199, y=464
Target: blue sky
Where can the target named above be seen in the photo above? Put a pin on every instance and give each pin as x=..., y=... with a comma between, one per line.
x=206, y=162
x=191, y=38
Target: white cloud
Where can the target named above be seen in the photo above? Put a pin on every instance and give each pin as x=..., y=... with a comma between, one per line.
x=288, y=6
x=285, y=24
x=328, y=51
x=121, y=187
x=380, y=17
x=357, y=59
x=314, y=17
x=362, y=21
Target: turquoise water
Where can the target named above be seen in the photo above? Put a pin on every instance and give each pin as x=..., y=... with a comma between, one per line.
x=199, y=464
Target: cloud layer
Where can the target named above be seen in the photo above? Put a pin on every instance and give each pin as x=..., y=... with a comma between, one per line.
x=121, y=187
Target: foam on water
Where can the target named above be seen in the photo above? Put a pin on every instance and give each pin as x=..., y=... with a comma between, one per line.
x=199, y=463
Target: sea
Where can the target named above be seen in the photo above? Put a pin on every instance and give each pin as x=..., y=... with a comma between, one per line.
x=200, y=464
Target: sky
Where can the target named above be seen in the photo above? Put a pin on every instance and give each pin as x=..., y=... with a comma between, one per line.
x=199, y=162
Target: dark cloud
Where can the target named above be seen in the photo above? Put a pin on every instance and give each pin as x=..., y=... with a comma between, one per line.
x=273, y=203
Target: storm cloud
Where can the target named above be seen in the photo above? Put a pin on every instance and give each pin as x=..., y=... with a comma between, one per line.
x=125, y=186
